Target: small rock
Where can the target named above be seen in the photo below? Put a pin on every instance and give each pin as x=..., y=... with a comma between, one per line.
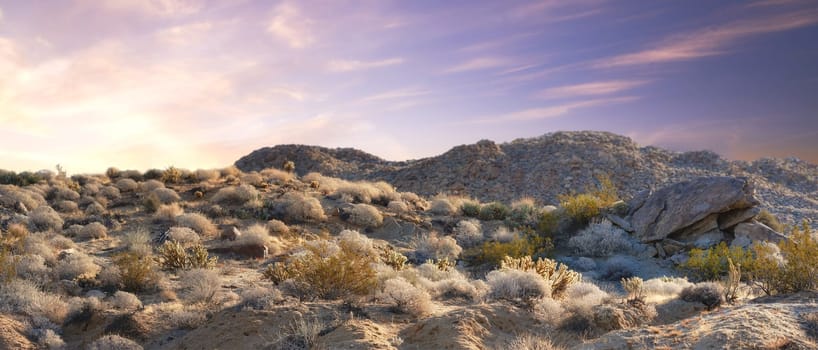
x=755, y=231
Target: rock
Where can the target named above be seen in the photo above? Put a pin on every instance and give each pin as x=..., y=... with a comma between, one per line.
x=732, y=218
x=709, y=239
x=638, y=201
x=691, y=233
x=660, y=251
x=679, y=258
x=671, y=247
x=618, y=221
x=649, y=252
x=755, y=231
x=683, y=205
x=610, y=317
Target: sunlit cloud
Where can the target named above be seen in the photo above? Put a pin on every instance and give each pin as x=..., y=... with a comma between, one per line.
x=291, y=26
x=339, y=66
x=1, y=14
x=548, y=112
x=185, y=34
x=157, y=8
x=591, y=89
x=479, y=63
x=395, y=94
x=711, y=41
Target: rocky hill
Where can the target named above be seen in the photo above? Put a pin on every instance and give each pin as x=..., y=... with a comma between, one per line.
x=553, y=164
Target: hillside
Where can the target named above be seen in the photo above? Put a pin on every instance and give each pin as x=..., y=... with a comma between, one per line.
x=547, y=166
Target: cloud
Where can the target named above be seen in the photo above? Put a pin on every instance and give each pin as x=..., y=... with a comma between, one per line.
x=478, y=63
x=549, y=112
x=591, y=89
x=1, y=14
x=289, y=25
x=153, y=8
x=339, y=66
x=395, y=94
x=710, y=41
x=184, y=34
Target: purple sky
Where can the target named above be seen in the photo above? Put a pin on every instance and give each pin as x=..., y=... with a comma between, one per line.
x=151, y=83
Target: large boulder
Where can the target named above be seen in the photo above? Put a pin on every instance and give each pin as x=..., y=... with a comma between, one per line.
x=748, y=232
x=688, y=209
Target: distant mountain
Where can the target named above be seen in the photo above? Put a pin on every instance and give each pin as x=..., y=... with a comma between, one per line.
x=556, y=163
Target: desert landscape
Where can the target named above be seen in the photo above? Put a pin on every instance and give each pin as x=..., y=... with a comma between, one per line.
x=662, y=250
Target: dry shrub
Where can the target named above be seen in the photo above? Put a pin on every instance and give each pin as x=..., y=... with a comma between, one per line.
x=24, y=297
x=235, y=195
x=769, y=219
x=125, y=301
x=138, y=241
x=276, y=175
x=407, y=298
x=77, y=266
x=442, y=206
x=168, y=212
x=94, y=208
x=261, y=298
x=199, y=223
x=433, y=246
x=665, y=287
x=127, y=185
x=634, y=286
x=66, y=206
x=253, y=179
x=184, y=235
x=600, y=239
x=110, y=192
x=230, y=171
x=277, y=227
x=151, y=185
x=173, y=256
x=708, y=293
x=48, y=339
x=517, y=284
x=300, y=208
x=365, y=215
x=166, y=195
x=558, y=276
x=398, y=207
x=44, y=218
x=254, y=235
x=32, y=268
x=93, y=230
x=114, y=342
x=200, y=285
x=208, y=175
x=468, y=233
x=531, y=342
x=137, y=272
x=494, y=211
x=11, y=195
x=582, y=297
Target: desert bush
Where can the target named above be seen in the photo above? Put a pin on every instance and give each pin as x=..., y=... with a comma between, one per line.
x=260, y=298
x=22, y=179
x=199, y=223
x=109, y=192
x=30, y=267
x=468, y=233
x=600, y=239
x=153, y=174
x=549, y=311
x=433, y=246
x=276, y=175
x=48, y=339
x=393, y=259
x=618, y=267
x=44, y=218
x=711, y=264
x=183, y=235
x=494, y=211
x=769, y=219
x=24, y=297
x=63, y=193
x=127, y=185
x=708, y=293
x=493, y=252
x=298, y=207
x=634, y=286
x=137, y=272
x=732, y=282
x=66, y=206
x=151, y=185
x=114, y=342
x=407, y=298
x=125, y=301
x=235, y=195
x=168, y=212
x=442, y=206
x=580, y=298
x=512, y=284
x=11, y=195
x=327, y=270
x=138, y=241
x=558, y=276
x=531, y=342
x=365, y=215
x=207, y=174
x=93, y=230
x=470, y=209
x=77, y=266
x=171, y=175
x=230, y=171
x=165, y=195
x=200, y=285
x=189, y=318
x=253, y=179
x=94, y=208
x=581, y=207
x=256, y=235
x=173, y=256
x=664, y=287
x=523, y=213
x=398, y=206
x=301, y=334
x=277, y=227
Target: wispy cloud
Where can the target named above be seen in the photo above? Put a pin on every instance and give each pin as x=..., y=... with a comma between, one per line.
x=1, y=14
x=591, y=89
x=155, y=8
x=339, y=66
x=548, y=112
x=395, y=94
x=479, y=63
x=291, y=26
x=710, y=41
x=184, y=34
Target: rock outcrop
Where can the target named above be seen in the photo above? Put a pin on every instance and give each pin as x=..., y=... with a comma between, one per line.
x=689, y=210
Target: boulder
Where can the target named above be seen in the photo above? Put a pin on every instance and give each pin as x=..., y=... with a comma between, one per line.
x=748, y=232
x=618, y=221
x=684, y=205
x=732, y=218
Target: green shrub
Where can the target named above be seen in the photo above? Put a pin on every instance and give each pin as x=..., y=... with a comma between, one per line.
x=581, y=207
x=523, y=214
x=173, y=256
x=470, y=209
x=493, y=252
x=712, y=264
x=494, y=211
x=548, y=223
x=22, y=179
x=800, y=252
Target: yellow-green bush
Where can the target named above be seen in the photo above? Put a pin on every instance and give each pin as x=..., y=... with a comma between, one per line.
x=494, y=211
x=136, y=272
x=493, y=252
x=711, y=264
x=800, y=251
x=173, y=256
x=585, y=206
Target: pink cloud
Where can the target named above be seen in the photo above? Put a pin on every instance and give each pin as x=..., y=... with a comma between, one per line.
x=591, y=89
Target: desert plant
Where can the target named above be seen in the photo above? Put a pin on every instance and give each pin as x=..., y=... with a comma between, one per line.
x=442, y=206
x=513, y=284
x=365, y=215
x=493, y=252
x=127, y=185
x=769, y=219
x=44, y=218
x=183, y=235
x=600, y=239
x=634, y=286
x=468, y=233
x=433, y=246
x=407, y=298
x=125, y=301
x=298, y=207
x=531, y=342
x=558, y=276
x=235, y=195
x=173, y=256
x=168, y=212
x=77, y=266
x=260, y=298
x=581, y=207
x=93, y=230
x=197, y=222
x=711, y=264
x=523, y=213
x=708, y=293
x=114, y=342
x=470, y=209
x=494, y=211
x=137, y=272
x=171, y=175
x=732, y=282
x=200, y=285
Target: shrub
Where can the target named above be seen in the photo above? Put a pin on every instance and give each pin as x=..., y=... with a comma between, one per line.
x=171, y=175
x=93, y=230
x=127, y=185
x=260, y=298
x=125, y=301
x=66, y=206
x=523, y=213
x=253, y=179
x=94, y=208
x=531, y=342
x=432, y=246
x=800, y=251
x=298, y=207
x=77, y=266
x=600, y=239
x=468, y=233
x=173, y=256
x=494, y=211
x=235, y=195
x=138, y=241
x=470, y=209
x=11, y=195
x=365, y=215
x=581, y=207
x=558, y=276
x=711, y=264
x=665, y=286
x=493, y=252
x=503, y=235
x=150, y=185
x=109, y=192
x=767, y=218
x=137, y=272
x=398, y=206
x=277, y=175
x=199, y=223
x=514, y=284
x=407, y=298
x=329, y=271
x=165, y=195
x=207, y=174
x=114, y=342
x=20, y=296
x=442, y=206
x=64, y=193
x=44, y=218
x=581, y=297
x=48, y=339
x=634, y=286
x=200, y=285
x=183, y=235
x=277, y=227
x=168, y=212
x=708, y=293
x=29, y=267
x=22, y=179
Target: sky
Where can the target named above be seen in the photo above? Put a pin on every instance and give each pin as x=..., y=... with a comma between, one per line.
x=140, y=84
